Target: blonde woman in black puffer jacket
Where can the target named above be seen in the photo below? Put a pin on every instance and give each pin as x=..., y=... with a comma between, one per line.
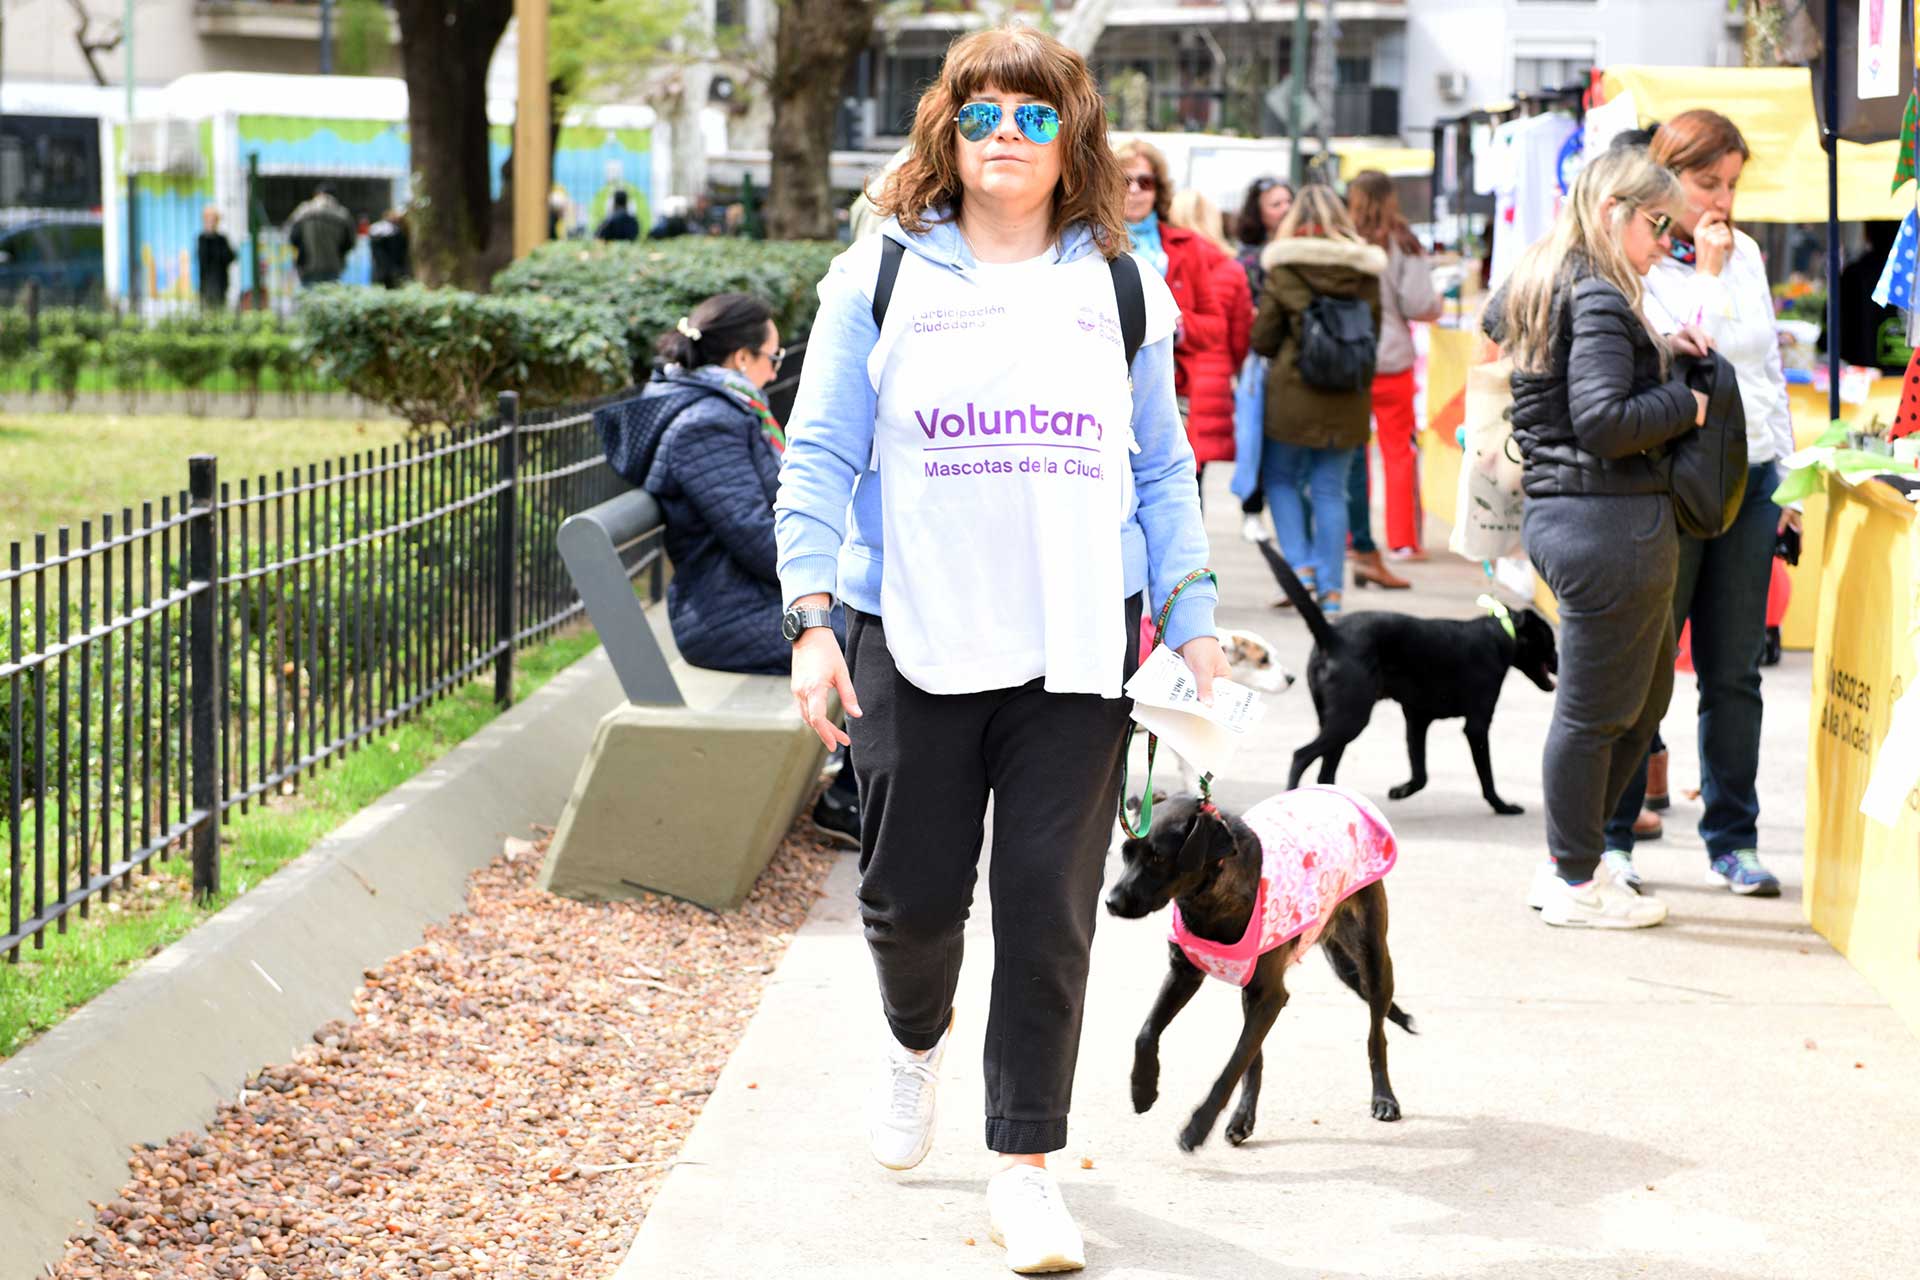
x=1594, y=405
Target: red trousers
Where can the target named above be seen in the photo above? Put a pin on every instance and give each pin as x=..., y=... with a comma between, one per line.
x=1399, y=459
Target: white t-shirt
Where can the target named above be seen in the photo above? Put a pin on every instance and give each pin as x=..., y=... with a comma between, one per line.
x=1003, y=431
x=1531, y=191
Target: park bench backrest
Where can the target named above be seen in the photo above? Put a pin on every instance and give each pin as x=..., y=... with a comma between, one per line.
x=592, y=544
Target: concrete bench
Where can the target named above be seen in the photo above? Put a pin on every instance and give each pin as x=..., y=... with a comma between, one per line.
x=690, y=786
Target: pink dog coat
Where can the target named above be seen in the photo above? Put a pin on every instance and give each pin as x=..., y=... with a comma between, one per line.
x=1319, y=846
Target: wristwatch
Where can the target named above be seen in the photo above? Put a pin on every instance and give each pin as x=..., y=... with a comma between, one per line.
x=795, y=621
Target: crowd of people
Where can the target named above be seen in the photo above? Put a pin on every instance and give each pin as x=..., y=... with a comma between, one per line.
x=1005, y=238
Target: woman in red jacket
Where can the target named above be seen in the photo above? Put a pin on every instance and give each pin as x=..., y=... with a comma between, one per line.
x=1181, y=257
x=1216, y=351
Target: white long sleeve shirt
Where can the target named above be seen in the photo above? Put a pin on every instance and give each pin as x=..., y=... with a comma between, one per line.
x=1735, y=309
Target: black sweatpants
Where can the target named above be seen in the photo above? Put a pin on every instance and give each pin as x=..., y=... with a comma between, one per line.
x=927, y=763
x=1611, y=563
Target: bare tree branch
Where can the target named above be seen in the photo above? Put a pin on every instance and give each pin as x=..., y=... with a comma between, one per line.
x=90, y=44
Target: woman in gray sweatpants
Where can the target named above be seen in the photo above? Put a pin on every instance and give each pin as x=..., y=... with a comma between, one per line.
x=1593, y=409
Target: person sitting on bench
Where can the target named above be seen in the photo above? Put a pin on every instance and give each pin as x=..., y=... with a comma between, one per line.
x=702, y=441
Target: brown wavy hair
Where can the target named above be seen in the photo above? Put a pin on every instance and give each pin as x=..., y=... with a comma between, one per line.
x=1375, y=206
x=1018, y=60
x=1697, y=139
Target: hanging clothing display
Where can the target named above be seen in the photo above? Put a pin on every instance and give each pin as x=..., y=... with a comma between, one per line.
x=1536, y=159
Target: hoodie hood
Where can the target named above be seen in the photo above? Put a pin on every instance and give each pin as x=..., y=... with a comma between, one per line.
x=1318, y=251
x=942, y=244
x=631, y=430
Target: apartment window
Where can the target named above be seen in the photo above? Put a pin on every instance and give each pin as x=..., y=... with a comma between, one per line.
x=1552, y=64
x=1352, y=70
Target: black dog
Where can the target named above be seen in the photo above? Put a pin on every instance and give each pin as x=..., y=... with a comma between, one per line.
x=1209, y=862
x=1435, y=669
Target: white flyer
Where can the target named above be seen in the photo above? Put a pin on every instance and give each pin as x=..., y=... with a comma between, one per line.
x=1167, y=703
x=1878, y=45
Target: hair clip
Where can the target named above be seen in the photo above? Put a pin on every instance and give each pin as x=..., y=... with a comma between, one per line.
x=688, y=330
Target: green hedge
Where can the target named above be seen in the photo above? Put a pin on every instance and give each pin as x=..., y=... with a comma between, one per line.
x=442, y=355
x=651, y=284
x=97, y=350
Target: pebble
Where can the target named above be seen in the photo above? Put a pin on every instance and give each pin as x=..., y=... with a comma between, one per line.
x=441, y=1129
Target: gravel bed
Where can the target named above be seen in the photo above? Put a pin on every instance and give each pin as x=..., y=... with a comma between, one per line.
x=505, y=1100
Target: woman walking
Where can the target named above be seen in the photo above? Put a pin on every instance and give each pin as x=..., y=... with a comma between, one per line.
x=1217, y=352
x=1594, y=404
x=1715, y=277
x=1406, y=295
x=1178, y=255
x=994, y=558
x=1313, y=429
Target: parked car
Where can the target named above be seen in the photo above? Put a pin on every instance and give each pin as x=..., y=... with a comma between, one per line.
x=60, y=250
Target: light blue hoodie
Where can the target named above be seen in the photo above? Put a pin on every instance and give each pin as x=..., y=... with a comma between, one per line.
x=830, y=544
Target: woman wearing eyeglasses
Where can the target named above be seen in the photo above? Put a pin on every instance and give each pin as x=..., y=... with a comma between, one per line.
x=1181, y=256
x=1715, y=277
x=702, y=441
x=1594, y=401
x=995, y=495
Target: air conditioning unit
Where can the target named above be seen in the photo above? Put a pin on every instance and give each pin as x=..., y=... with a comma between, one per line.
x=1453, y=85
x=165, y=146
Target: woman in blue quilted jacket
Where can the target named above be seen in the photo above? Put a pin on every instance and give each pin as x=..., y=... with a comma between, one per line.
x=703, y=442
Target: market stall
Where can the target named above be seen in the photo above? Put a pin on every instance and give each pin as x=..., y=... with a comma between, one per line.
x=1863, y=874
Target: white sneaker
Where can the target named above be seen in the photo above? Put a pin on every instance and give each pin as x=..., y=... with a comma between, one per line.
x=1599, y=904
x=1252, y=529
x=1541, y=890
x=1620, y=862
x=900, y=1108
x=1031, y=1221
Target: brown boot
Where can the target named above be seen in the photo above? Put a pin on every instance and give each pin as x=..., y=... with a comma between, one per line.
x=1648, y=826
x=1657, y=798
x=1370, y=571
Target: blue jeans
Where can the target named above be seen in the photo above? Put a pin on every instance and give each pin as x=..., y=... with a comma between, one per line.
x=1286, y=469
x=1722, y=591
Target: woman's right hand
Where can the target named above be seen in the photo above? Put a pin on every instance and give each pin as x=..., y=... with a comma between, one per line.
x=820, y=669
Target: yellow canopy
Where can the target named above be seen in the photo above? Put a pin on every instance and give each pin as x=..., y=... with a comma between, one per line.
x=1393, y=161
x=1786, y=180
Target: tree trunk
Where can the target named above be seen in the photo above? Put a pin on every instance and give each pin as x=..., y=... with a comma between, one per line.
x=445, y=46
x=816, y=43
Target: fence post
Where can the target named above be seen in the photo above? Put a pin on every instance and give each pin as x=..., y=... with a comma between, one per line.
x=203, y=658
x=506, y=507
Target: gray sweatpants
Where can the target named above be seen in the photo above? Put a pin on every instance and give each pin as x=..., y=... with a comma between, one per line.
x=1611, y=564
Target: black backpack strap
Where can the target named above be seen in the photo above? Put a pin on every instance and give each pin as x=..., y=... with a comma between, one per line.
x=891, y=251
x=1133, y=303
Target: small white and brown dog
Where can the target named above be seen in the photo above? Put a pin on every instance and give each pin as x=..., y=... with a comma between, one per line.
x=1253, y=664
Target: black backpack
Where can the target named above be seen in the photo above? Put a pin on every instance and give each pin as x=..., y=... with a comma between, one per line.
x=1337, y=343
x=1126, y=292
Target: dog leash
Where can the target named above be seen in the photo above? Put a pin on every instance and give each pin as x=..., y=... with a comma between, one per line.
x=1153, y=740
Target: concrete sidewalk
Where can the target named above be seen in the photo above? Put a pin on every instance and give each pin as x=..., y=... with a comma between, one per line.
x=1719, y=1097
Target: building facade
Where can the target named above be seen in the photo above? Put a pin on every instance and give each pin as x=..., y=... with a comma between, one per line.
x=171, y=38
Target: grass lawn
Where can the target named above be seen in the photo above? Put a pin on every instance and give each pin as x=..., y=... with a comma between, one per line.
x=154, y=909
x=58, y=468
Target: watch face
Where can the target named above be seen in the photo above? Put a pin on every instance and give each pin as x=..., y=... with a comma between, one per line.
x=790, y=626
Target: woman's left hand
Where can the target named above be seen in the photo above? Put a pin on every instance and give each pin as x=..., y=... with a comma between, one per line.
x=1692, y=341
x=1204, y=659
x=1789, y=519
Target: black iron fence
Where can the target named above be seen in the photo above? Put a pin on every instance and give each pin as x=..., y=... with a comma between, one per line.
x=165, y=668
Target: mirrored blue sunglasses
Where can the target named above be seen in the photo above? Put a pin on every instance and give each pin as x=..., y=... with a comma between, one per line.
x=1039, y=123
